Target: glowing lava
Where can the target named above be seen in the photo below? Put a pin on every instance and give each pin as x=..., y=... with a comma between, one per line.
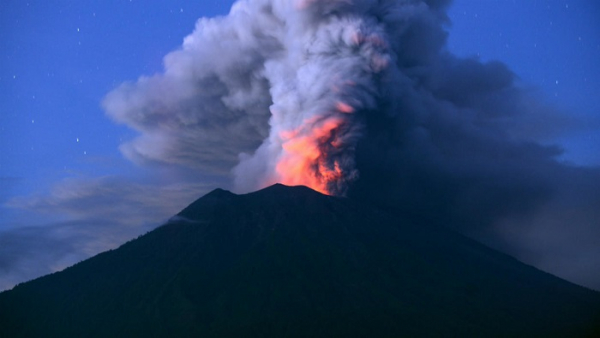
x=307, y=156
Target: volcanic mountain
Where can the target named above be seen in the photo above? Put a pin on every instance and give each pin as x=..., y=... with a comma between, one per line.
x=291, y=262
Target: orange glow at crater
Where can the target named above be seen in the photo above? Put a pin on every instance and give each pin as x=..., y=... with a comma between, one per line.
x=305, y=160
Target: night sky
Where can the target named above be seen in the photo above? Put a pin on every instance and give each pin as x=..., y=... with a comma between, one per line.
x=66, y=190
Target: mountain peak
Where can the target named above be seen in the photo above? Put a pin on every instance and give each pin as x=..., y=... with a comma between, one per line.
x=279, y=187
x=219, y=193
x=278, y=190
x=289, y=261
x=212, y=199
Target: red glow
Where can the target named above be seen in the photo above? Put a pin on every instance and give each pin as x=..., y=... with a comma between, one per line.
x=344, y=107
x=304, y=162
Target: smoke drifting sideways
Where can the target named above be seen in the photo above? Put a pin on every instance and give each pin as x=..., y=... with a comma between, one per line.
x=361, y=98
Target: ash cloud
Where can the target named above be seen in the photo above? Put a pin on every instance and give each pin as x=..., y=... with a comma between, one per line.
x=436, y=138
x=94, y=215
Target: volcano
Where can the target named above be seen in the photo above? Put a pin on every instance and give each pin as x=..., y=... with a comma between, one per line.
x=291, y=262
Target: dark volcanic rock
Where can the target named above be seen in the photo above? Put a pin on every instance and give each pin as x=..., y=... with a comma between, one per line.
x=290, y=262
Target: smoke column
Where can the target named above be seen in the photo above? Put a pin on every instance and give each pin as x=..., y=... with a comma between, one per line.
x=319, y=63
x=325, y=72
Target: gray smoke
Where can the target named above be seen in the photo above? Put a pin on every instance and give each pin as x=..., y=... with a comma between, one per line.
x=267, y=70
x=394, y=118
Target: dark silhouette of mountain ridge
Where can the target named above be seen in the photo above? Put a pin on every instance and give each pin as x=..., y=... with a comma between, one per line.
x=290, y=262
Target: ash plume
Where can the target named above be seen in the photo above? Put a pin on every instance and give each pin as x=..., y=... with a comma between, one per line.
x=362, y=98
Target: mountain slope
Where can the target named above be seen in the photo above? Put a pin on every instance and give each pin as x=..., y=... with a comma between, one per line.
x=290, y=262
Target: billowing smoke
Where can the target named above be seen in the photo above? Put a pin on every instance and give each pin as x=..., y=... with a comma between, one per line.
x=327, y=71
x=290, y=76
x=362, y=98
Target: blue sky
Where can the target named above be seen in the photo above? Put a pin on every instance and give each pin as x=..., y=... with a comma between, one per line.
x=60, y=58
x=553, y=46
